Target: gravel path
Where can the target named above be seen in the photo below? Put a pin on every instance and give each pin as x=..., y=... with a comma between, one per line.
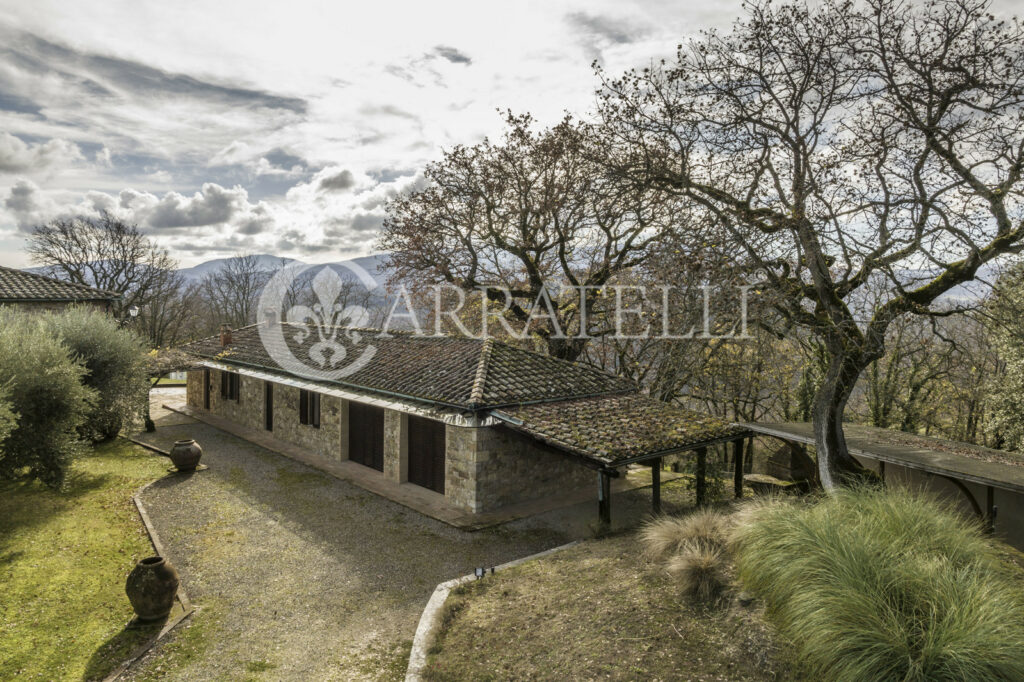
x=300, y=576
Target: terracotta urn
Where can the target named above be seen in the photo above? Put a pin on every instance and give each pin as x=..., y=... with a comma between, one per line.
x=151, y=587
x=185, y=454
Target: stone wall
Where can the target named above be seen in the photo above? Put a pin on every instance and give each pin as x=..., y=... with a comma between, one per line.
x=194, y=389
x=486, y=468
x=396, y=446
x=248, y=411
x=492, y=467
x=326, y=440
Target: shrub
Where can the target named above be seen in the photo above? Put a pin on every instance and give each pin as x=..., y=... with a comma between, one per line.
x=8, y=418
x=117, y=366
x=884, y=584
x=669, y=535
x=700, y=571
x=46, y=391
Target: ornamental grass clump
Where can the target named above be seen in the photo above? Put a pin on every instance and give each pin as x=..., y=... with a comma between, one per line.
x=700, y=572
x=693, y=548
x=668, y=535
x=884, y=584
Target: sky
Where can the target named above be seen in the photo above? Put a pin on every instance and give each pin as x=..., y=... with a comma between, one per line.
x=283, y=127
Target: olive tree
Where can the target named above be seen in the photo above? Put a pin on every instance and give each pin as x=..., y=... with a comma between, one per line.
x=838, y=145
x=116, y=365
x=47, y=392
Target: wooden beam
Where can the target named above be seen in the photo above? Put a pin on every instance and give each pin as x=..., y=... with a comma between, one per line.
x=737, y=476
x=656, y=485
x=990, y=509
x=700, y=476
x=604, y=498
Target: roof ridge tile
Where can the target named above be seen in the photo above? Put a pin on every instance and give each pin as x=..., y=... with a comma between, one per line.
x=477, y=395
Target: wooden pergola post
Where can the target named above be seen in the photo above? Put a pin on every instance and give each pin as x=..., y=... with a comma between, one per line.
x=700, y=476
x=737, y=476
x=656, y=485
x=604, y=497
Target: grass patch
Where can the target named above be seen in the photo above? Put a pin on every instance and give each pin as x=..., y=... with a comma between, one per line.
x=597, y=610
x=885, y=584
x=164, y=381
x=64, y=557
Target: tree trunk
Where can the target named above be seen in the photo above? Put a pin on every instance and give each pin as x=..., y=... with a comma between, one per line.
x=566, y=348
x=835, y=464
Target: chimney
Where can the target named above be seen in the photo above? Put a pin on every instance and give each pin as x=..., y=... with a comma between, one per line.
x=225, y=335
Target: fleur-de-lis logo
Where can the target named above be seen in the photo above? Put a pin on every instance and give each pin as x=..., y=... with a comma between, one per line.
x=329, y=318
x=317, y=331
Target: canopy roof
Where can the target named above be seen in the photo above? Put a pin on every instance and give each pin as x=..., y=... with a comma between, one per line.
x=619, y=429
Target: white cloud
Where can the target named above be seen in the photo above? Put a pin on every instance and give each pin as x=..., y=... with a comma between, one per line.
x=18, y=156
x=292, y=128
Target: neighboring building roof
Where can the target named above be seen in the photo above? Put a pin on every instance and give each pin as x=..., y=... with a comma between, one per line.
x=22, y=286
x=466, y=373
x=617, y=429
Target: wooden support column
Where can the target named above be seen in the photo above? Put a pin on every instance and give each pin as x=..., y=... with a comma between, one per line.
x=700, y=476
x=604, y=497
x=737, y=476
x=656, y=485
x=990, y=509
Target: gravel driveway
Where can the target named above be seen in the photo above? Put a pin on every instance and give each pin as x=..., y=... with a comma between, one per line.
x=299, y=575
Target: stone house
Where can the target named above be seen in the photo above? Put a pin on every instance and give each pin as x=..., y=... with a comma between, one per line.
x=37, y=293
x=480, y=424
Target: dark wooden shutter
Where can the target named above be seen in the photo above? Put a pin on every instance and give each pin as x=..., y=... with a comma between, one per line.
x=314, y=410
x=426, y=453
x=206, y=389
x=268, y=406
x=303, y=406
x=366, y=435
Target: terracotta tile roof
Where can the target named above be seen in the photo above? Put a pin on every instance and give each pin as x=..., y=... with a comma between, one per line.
x=22, y=286
x=453, y=371
x=613, y=429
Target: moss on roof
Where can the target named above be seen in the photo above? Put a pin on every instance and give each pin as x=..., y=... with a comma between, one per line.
x=616, y=428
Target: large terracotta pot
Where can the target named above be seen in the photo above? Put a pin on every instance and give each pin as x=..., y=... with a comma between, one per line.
x=151, y=587
x=185, y=454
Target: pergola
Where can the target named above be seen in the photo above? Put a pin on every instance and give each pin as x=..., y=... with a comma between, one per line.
x=608, y=433
x=958, y=463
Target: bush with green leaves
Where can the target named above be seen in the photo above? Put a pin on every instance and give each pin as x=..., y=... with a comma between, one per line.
x=46, y=389
x=883, y=584
x=117, y=365
x=8, y=418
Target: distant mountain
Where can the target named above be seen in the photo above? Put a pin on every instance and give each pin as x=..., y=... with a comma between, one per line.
x=197, y=272
x=373, y=265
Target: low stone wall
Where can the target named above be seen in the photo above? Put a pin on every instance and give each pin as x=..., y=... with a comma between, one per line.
x=492, y=467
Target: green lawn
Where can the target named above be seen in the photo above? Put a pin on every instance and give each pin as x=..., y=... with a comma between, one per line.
x=165, y=381
x=64, y=557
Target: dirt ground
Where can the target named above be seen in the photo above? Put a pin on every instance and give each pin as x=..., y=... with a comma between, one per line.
x=298, y=575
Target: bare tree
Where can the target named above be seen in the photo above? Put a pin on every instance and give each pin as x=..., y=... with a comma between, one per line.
x=530, y=214
x=106, y=253
x=838, y=144
x=233, y=291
